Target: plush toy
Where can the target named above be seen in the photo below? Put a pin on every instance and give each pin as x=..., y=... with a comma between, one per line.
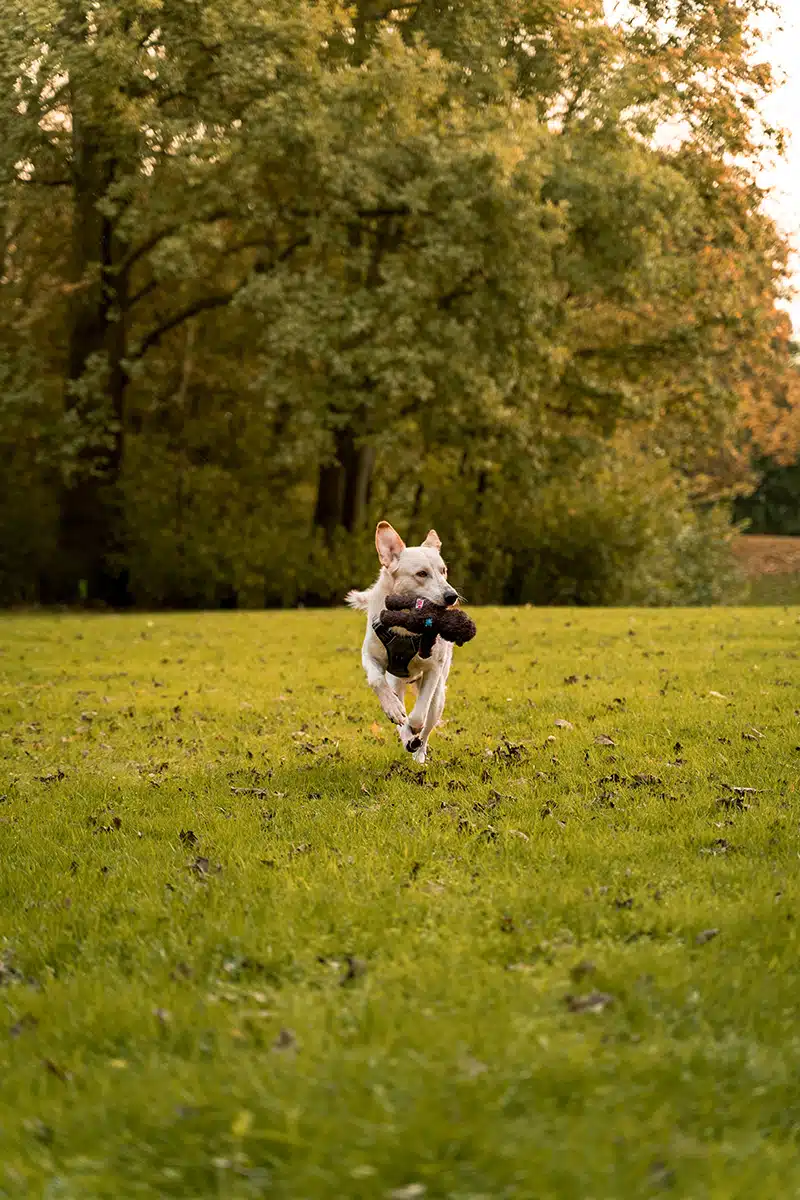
x=423, y=617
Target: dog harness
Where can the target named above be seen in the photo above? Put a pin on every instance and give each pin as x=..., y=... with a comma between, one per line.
x=401, y=648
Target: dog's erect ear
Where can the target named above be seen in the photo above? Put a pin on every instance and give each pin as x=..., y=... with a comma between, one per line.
x=433, y=541
x=388, y=543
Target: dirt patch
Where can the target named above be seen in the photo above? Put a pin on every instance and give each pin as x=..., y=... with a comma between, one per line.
x=760, y=554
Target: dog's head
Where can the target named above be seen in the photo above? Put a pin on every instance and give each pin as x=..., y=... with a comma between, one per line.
x=414, y=570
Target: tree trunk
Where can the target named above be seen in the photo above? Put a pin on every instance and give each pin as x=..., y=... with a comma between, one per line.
x=343, y=486
x=91, y=544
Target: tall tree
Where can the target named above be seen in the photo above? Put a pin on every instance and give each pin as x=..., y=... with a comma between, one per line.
x=135, y=113
x=262, y=261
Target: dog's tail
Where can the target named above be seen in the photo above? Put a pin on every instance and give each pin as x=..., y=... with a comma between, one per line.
x=357, y=599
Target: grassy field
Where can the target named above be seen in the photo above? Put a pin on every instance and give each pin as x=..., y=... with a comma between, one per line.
x=771, y=569
x=773, y=590
x=248, y=949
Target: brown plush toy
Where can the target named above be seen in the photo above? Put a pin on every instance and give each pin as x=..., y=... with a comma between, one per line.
x=428, y=619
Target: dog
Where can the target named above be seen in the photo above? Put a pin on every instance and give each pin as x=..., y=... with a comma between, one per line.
x=388, y=655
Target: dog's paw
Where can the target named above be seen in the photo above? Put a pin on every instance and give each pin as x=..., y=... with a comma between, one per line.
x=405, y=733
x=394, y=709
x=420, y=754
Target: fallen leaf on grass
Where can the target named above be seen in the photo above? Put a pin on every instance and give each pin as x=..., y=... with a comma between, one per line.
x=356, y=969
x=594, y=1002
x=52, y=777
x=54, y=1069
x=661, y=1175
x=705, y=936
x=188, y=837
x=720, y=846
x=733, y=802
x=561, y=723
x=376, y=730
x=286, y=1040
x=582, y=969
x=9, y=974
x=718, y=695
x=26, y=1021
x=604, y=740
x=38, y=1129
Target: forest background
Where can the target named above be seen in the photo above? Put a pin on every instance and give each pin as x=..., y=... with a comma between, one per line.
x=273, y=270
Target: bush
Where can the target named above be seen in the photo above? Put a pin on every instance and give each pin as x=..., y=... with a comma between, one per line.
x=620, y=529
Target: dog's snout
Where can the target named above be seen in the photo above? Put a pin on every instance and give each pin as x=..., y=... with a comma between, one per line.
x=450, y=596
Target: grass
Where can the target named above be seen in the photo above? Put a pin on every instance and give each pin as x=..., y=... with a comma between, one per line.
x=248, y=949
x=771, y=590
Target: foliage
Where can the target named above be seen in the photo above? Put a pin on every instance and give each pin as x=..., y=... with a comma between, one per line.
x=771, y=419
x=774, y=507
x=618, y=528
x=246, y=950
x=257, y=258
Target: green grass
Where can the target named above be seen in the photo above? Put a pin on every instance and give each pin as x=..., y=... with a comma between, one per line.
x=179, y=1018
x=783, y=588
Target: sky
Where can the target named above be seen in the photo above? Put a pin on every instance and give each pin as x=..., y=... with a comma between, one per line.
x=782, y=176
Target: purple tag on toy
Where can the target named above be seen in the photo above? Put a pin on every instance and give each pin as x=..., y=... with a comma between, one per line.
x=420, y=602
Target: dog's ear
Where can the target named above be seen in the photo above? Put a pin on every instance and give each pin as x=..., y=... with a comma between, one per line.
x=388, y=543
x=433, y=541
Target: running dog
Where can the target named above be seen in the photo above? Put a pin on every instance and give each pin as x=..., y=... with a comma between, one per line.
x=389, y=654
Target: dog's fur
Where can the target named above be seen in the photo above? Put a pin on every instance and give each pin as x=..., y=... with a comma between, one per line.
x=414, y=571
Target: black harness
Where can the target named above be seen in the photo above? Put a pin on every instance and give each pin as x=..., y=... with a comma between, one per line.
x=402, y=647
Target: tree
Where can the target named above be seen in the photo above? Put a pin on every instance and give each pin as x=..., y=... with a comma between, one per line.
x=134, y=113
x=262, y=262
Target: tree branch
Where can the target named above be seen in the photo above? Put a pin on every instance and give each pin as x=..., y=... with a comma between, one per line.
x=650, y=347
x=150, y=243
x=446, y=301
x=43, y=182
x=142, y=292
x=206, y=303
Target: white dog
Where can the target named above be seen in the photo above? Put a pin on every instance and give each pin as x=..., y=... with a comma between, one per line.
x=389, y=654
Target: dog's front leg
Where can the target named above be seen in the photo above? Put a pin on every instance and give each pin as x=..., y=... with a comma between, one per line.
x=388, y=699
x=419, y=745
x=411, y=729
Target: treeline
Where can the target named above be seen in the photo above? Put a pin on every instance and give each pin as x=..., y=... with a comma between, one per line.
x=272, y=269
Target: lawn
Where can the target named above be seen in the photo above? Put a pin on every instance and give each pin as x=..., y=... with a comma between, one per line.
x=247, y=948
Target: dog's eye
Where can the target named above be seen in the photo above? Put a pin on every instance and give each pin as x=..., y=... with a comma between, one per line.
x=422, y=574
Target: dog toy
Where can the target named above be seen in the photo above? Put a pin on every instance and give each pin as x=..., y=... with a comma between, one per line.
x=420, y=616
